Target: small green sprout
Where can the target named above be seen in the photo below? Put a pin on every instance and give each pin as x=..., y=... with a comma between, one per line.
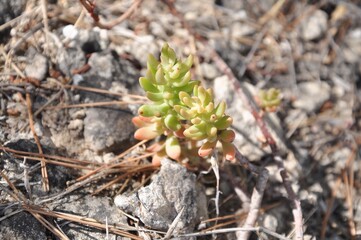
x=269, y=100
x=181, y=110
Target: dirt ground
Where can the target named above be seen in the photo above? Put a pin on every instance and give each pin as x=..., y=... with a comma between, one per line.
x=69, y=88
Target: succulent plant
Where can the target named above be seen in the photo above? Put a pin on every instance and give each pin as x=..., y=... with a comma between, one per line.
x=181, y=110
x=269, y=100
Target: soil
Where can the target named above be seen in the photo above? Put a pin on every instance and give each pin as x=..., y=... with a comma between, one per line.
x=69, y=88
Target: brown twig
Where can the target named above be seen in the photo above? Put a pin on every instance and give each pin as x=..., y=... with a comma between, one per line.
x=23, y=154
x=93, y=104
x=90, y=7
x=44, y=173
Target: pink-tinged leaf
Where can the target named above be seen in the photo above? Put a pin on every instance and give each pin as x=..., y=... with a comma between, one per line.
x=157, y=158
x=145, y=133
x=172, y=147
x=227, y=136
x=138, y=122
x=179, y=133
x=156, y=147
x=229, y=151
x=206, y=149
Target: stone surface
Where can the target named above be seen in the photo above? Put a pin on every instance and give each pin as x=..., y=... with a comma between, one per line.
x=9, y=9
x=315, y=26
x=106, y=129
x=22, y=226
x=98, y=208
x=70, y=59
x=37, y=67
x=158, y=204
x=58, y=175
x=312, y=95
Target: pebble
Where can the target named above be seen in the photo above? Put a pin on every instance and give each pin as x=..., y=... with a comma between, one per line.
x=171, y=190
x=38, y=67
x=209, y=71
x=312, y=95
x=315, y=26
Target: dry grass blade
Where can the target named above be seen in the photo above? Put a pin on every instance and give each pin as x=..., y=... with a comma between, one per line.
x=95, y=104
x=44, y=172
x=97, y=90
x=173, y=225
x=17, y=195
x=228, y=230
x=112, y=160
x=23, y=154
x=135, y=170
x=83, y=220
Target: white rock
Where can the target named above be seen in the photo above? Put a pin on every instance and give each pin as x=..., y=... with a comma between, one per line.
x=312, y=95
x=70, y=31
x=315, y=26
x=209, y=71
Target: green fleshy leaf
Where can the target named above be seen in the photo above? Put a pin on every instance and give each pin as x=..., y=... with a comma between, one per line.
x=211, y=131
x=220, y=109
x=150, y=110
x=172, y=122
x=155, y=97
x=189, y=61
x=147, y=85
x=159, y=77
x=188, y=87
x=184, y=80
x=152, y=63
x=223, y=123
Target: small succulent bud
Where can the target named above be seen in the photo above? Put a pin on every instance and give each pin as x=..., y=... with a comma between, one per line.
x=270, y=99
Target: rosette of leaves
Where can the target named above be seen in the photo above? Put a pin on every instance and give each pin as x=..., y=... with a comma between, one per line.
x=181, y=109
x=269, y=99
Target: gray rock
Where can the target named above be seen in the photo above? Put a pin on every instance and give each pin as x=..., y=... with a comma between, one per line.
x=158, y=204
x=312, y=95
x=22, y=226
x=70, y=59
x=315, y=26
x=107, y=68
x=9, y=9
x=107, y=129
x=98, y=208
x=352, y=52
x=58, y=175
x=209, y=71
x=37, y=67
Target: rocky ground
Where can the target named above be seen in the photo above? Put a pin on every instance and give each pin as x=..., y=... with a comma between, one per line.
x=69, y=89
